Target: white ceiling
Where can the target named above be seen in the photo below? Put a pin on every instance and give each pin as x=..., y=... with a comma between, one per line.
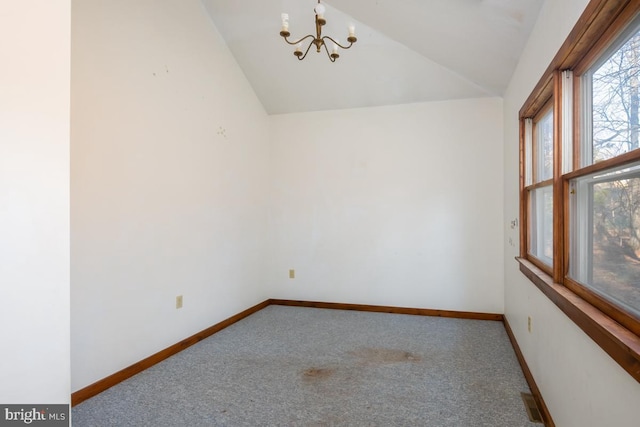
x=407, y=50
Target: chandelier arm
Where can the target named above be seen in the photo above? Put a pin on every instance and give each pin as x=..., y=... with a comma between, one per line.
x=328, y=54
x=298, y=41
x=300, y=58
x=344, y=47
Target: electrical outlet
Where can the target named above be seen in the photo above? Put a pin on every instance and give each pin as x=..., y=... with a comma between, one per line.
x=179, y=301
x=529, y=324
x=292, y=274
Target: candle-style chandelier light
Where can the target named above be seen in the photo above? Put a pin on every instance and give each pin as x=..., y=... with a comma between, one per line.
x=318, y=40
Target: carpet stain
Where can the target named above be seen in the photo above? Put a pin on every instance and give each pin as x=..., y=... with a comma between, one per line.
x=384, y=355
x=312, y=374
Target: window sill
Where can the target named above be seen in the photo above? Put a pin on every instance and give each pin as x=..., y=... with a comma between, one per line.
x=620, y=343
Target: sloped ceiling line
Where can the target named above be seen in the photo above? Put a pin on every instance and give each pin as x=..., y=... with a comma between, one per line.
x=407, y=50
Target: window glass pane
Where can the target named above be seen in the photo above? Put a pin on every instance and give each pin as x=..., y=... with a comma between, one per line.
x=528, y=151
x=541, y=224
x=615, y=101
x=606, y=235
x=544, y=147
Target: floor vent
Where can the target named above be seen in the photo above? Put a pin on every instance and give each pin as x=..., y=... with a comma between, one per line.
x=532, y=409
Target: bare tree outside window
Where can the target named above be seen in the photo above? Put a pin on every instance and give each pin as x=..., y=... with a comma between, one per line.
x=616, y=219
x=616, y=101
x=616, y=201
x=544, y=131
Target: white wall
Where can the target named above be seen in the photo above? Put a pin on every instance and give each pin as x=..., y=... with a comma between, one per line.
x=34, y=201
x=169, y=171
x=581, y=385
x=396, y=206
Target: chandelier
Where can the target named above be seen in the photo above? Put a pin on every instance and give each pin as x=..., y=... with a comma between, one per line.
x=318, y=40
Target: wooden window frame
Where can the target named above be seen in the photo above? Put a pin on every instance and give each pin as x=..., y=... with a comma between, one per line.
x=546, y=108
x=614, y=330
x=527, y=191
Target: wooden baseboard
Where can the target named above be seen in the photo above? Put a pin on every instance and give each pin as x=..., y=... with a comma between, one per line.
x=388, y=309
x=535, y=391
x=105, y=383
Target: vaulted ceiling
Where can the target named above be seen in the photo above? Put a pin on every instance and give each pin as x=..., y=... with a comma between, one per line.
x=407, y=50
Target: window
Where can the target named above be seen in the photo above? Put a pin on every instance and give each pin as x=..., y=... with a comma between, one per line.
x=541, y=224
x=580, y=179
x=611, y=100
x=604, y=254
x=541, y=190
x=605, y=218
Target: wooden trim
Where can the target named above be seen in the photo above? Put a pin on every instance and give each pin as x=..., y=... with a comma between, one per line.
x=546, y=183
x=628, y=320
x=591, y=25
x=589, y=29
x=539, y=264
x=108, y=382
x=524, y=195
x=535, y=391
x=619, y=342
x=566, y=242
x=388, y=309
x=621, y=160
x=105, y=383
x=618, y=18
x=558, y=184
x=539, y=97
